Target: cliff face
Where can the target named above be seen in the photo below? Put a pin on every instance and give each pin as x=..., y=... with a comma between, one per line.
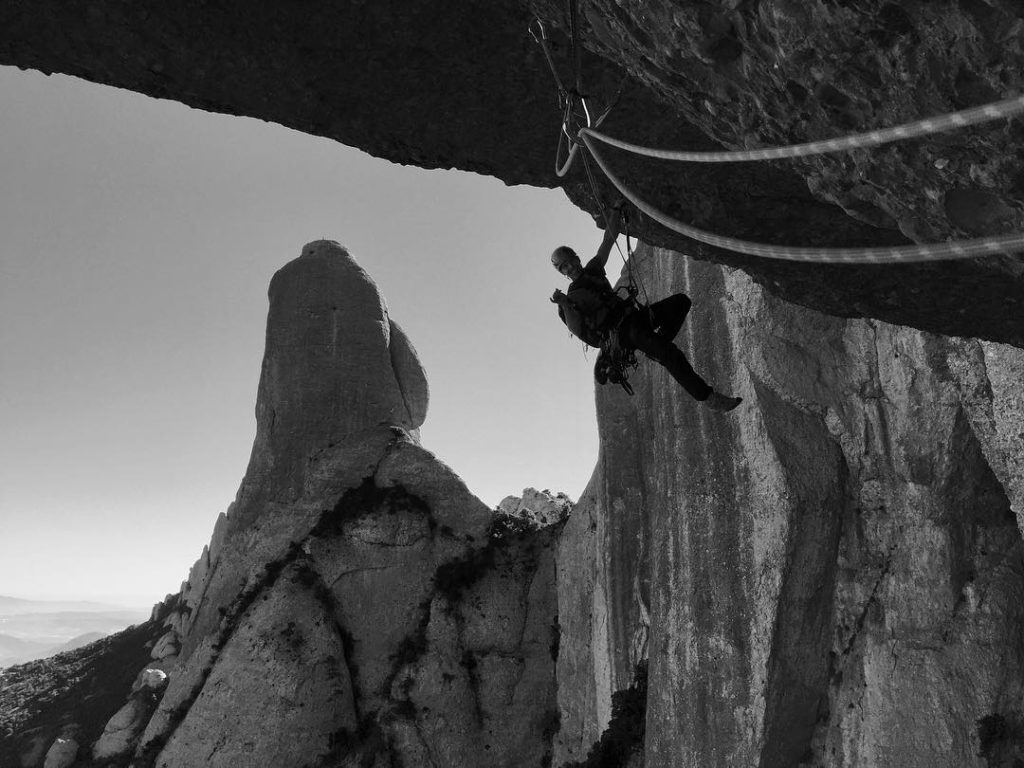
x=441, y=85
x=829, y=576
x=357, y=605
x=356, y=596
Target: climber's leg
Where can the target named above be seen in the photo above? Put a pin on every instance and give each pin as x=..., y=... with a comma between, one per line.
x=637, y=333
x=667, y=315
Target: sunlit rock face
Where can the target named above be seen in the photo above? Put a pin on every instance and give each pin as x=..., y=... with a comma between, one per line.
x=357, y=605
x=828, y=576
x=831, y=574
x=443, y=85
x=357, y=602
x=336, y=371
x=335, y=364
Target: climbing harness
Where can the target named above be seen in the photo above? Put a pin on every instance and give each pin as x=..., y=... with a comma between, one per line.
x=578, y=130
x=616, y=360
x=614, y=365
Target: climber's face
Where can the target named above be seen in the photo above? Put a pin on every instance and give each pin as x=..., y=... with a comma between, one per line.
x=567, y=263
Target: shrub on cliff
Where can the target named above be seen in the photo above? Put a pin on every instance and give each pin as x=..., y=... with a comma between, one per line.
x=624, y=736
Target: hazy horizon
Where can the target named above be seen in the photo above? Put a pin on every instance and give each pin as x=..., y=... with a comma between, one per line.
x=137, y=241
x=123, y=601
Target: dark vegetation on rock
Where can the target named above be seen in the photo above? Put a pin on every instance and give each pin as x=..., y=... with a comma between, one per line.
x=231, y=616
x=39, y=699
x=1001, y=740
x=507, y=546
x=623, y=739
x=367, y=497
x=456, y=576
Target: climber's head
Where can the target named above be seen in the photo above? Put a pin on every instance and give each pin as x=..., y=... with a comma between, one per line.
x=565, y=260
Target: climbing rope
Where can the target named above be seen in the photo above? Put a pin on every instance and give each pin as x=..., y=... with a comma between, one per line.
x=959, y=249
x=586, y=133
x=636, y=285
x=569, y=98
x=948, y=122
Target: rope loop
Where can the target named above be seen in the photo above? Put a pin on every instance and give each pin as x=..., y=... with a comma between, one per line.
x=585, y=135
x=947, y=122
x=960, y=249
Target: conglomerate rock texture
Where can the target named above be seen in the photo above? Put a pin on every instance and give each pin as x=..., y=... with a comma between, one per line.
x=832, y=574
x=357, y=606
x=357, y=597
x=463, y=85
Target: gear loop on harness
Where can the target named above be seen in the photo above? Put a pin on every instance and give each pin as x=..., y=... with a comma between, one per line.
x=615, y=361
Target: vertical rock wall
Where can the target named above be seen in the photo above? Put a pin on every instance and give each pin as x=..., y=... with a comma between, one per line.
x=830, y=575
x=357, y=605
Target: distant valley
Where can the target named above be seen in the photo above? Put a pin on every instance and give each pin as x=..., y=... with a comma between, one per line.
x=36, y=629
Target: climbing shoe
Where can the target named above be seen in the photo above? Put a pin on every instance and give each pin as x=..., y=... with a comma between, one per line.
x=722, y=403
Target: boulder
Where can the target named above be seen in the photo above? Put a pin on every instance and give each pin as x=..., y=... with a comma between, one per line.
x=62, y=753
x=151, y=679
x=538, y=508
x=166, y=646
x=122, y=731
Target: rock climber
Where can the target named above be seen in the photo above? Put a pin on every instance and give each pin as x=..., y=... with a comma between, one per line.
x=599, y=316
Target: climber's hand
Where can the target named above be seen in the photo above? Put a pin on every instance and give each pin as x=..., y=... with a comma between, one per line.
x=557, y=296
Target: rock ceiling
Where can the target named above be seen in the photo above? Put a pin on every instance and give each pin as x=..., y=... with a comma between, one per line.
x=463, y=85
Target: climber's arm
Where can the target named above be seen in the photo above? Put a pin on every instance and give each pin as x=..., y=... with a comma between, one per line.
x=611, y=233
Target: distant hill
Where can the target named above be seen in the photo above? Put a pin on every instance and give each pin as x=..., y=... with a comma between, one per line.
x=14, y=650
x=91, y=682
x=79, y=641
x=36, y=629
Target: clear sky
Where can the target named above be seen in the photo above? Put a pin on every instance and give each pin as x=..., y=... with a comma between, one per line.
x=137, y=241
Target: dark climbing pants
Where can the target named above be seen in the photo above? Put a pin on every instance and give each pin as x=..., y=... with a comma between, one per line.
x=652, y=330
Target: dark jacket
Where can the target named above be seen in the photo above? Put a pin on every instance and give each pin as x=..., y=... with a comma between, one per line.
x=591, y=307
